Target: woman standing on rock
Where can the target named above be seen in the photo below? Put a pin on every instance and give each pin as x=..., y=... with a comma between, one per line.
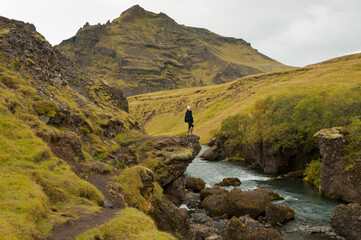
x=189, y=119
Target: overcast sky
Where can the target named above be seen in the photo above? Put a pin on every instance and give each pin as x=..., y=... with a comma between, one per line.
x=294, y=32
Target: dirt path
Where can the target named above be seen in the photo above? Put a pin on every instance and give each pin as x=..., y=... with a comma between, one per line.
x=71, y=229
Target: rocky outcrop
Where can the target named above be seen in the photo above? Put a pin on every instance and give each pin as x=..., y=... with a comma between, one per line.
x=195, y=184
x=346, y=221
x=276, y=214
x=247, y=228
x=168, y=157
x=175, y=191
x=168, y=217
x=340, y=174
x=229, y=182
x=261, y=156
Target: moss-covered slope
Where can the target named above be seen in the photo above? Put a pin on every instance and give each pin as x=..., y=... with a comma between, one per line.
x=145, y=52
x=52, y=118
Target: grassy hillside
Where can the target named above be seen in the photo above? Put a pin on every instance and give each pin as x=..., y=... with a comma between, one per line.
x=162, y=113
x=145, y=52
x=52, y=118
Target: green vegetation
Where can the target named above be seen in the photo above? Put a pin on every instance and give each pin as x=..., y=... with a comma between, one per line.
x=129, y=224
x=36, y=190
x=313, y=89
x=312, y=173
x=286, y=121
x=130, y=184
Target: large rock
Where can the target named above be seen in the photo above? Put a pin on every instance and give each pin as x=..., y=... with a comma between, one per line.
x=346, y=221
x=175, y=191
x=202, y=232
x=242, y=203
x=175, y=163
x=195, y=184
x=273, y=196
x=229, y=182
x=214, y=153
x=237, y=203
x=192, y=199
x=276, y=213
x=245, y=228
x=340, y=175
x=213, y=190
x=168, y=217
x=216, y=204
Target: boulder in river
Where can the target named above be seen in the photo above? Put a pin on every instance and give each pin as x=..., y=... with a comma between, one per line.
x=346, y=221
x=234, y=181
x=195, y=184
x=248, y=228
x=276, y=213
x=237, y=203
x=213, y=190
x=273, y=196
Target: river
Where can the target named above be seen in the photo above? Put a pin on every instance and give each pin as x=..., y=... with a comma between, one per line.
x=313, y=211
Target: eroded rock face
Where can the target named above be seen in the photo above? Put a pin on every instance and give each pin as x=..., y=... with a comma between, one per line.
x=175, y=164
x=248, y=228
x=261, y=155
x=168, y=217
x=195, y=184
x=175, y=191
x=346, y=221
x=340, y=175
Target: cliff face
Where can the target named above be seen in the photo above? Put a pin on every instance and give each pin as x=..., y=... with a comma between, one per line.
x=340, y=174
x=145, y=52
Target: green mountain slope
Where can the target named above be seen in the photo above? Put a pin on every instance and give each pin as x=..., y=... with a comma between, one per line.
x=145, y=52
x=54, y=121
x=162, y=113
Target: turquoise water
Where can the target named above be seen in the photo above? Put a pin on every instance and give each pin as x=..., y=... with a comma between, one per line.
x=312, y=209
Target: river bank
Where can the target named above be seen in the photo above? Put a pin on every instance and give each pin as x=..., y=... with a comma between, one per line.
x=313, y=211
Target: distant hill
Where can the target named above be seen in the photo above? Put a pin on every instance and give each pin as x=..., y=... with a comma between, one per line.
x=212, y=104
x=145, y=52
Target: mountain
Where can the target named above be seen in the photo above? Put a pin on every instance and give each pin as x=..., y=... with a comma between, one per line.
x=213, y=104
x=145, y=52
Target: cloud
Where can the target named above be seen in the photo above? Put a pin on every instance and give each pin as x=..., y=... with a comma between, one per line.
x=293, y=32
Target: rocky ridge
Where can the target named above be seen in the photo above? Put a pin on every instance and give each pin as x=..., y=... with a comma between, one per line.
x=144, y=52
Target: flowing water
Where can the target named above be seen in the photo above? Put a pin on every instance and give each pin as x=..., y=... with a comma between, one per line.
x=313, y=211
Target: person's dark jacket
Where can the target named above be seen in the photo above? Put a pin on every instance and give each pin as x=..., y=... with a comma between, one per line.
x=188, y=118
